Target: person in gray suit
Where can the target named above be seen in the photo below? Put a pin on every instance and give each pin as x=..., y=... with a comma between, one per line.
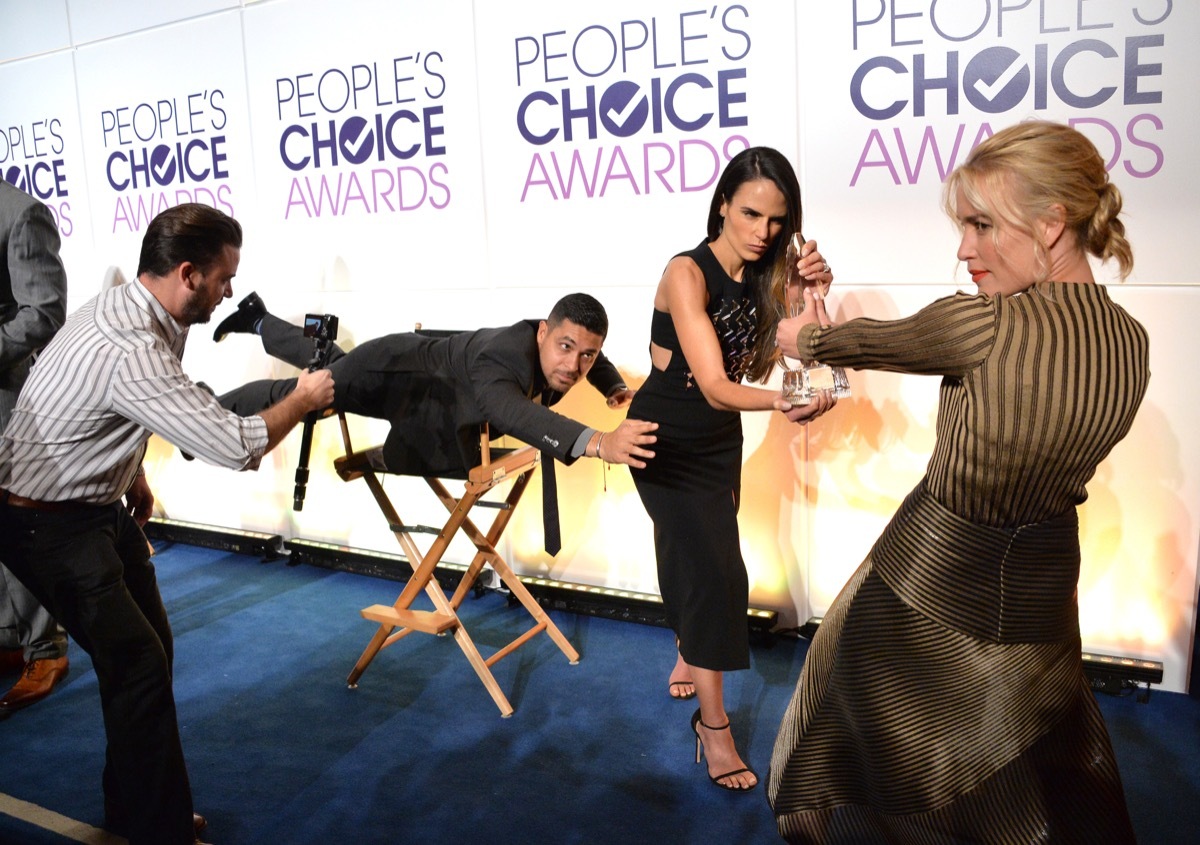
x=33, y=304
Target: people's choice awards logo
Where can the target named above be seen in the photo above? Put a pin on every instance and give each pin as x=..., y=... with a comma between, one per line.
x=920, y=68
x=364, y=139
x=632, y=107
x=31, y=158
x=165, y=152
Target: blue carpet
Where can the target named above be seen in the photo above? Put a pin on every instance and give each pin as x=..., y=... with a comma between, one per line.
x=279, y=750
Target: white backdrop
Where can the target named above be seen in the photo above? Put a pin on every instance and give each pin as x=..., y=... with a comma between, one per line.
x=463, y=164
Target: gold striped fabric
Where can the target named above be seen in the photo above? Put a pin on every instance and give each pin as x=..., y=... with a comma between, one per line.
x=1037, y=389
x=943, y=698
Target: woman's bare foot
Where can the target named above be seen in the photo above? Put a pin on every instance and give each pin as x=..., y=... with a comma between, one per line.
x=680, y=686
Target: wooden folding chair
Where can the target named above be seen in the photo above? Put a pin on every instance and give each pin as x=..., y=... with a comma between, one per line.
x=399, y=619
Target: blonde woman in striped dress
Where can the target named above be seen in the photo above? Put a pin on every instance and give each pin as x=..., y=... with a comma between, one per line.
x=943, y=698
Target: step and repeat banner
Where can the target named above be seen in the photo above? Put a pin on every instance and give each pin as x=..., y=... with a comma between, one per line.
x=465, y=164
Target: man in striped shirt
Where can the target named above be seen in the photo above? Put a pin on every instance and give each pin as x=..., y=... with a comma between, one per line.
x=73, y=449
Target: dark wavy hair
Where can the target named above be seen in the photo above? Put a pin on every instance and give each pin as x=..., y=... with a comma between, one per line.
x=765, y=277
x=582, y=310
x=188, y=232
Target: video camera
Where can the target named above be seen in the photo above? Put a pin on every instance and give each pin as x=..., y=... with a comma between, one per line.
x=323, y=329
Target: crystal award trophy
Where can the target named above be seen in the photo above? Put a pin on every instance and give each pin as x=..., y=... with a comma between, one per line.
x=802, y=384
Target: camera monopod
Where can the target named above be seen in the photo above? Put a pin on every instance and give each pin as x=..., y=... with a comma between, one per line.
x=322, y=328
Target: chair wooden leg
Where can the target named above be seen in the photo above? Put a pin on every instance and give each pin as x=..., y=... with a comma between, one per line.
x=486, y=550
x=523, y=595
x=368, y=655
x=481, y=666
x=481, y=669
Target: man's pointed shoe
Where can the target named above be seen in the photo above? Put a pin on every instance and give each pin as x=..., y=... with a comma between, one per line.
x=36, y=682
x=249, y=311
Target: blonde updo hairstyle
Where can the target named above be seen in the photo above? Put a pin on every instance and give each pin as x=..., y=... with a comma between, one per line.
x=1018, y=174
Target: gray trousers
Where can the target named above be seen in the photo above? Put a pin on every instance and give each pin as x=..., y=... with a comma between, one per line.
x=24, y=623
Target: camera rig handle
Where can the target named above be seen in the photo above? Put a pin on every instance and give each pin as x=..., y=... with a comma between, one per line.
x=322, y=328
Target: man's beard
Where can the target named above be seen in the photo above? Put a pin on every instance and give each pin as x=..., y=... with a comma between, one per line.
x=194, y=311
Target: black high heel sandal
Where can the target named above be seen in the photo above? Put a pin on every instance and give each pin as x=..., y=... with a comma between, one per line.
x=696, y=725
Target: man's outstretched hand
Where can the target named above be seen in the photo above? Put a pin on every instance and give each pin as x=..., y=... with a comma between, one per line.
x=626, y=444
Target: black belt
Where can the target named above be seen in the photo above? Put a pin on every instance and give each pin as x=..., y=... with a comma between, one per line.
x=12, y=499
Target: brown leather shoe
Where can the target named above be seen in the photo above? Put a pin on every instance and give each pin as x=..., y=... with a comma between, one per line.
x=35, y=683
x=12, y=660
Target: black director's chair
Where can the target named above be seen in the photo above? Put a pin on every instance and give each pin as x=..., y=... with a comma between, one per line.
x=399, y=619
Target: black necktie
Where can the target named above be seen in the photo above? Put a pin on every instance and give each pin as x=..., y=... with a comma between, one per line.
x=550, y=528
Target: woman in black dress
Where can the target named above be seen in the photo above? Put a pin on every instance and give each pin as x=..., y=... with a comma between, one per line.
x=715, y=310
